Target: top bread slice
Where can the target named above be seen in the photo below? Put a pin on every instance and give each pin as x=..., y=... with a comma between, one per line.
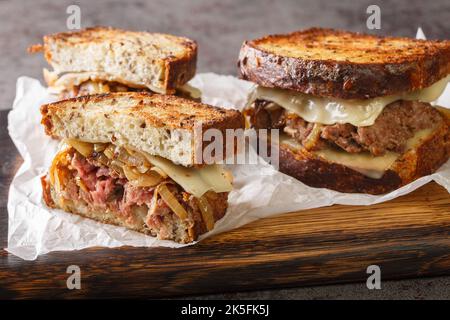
x=161, y=125
x=160, y=62
x=341, y=64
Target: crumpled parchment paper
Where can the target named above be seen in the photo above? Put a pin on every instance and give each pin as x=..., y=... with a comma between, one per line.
x=259, y=190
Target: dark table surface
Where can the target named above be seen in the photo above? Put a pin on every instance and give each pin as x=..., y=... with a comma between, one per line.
x=219, y=27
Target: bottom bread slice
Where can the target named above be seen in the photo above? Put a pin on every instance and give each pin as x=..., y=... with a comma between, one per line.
x=130, y=206
x=424, y=159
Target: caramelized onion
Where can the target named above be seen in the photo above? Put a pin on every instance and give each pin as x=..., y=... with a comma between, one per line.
x=81, y=184
x=207, y=212
x=117, y=166
x=133, y=158
x=159, y=171
x=100, y=147
x=109, y=151
x=102, y=159
x=138, y=179
x=312, y=138
x=85, y=148
x=172, y=201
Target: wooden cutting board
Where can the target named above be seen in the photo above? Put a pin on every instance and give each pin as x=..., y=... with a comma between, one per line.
x=406, y=237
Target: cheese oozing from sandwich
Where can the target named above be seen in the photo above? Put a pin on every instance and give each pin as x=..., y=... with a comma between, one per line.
x=329, y=111
x=363, y=162
x=137, y=166
x=196, y=181
x=97, y=82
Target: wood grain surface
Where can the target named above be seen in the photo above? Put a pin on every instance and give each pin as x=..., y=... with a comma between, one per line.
x=406, y=237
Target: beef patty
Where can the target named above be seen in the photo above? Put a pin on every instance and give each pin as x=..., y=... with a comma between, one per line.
x=398, y=122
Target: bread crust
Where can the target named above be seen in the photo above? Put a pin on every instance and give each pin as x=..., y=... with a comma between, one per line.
x=147, y=112
x=425, y=63
x=158, y=110
x=178, y=68
x=432, y=153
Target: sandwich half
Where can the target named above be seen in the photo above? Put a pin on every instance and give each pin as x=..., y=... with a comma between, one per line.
x=354, y=110
x=128, y=159
x=101, y=60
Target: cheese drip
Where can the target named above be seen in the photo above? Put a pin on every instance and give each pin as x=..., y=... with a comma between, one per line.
x=194, y=180
x=329, y=111
x=363, y=162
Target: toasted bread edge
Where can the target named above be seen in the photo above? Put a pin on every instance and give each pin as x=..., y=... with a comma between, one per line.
x=178, y=70
x=340, y=79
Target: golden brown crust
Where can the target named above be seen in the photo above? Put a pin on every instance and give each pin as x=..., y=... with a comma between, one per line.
x=139, y=113
x=46, y=192
x=46, y=120
x=156, y=109
x=317, y=172
x=35, y=48
x=180, y=67
x=341, y=64
x=179, y=71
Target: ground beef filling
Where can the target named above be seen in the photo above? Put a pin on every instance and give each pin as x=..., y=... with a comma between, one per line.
x=398, y=122
x=102, y=188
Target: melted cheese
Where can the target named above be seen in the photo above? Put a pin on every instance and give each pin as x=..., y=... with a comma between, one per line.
x=58, y=83
x=363, y=162
x=329, y=111
x=196, y=181
x=194, y=92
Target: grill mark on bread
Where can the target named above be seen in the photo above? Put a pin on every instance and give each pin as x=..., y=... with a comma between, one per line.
x=156, y=113
x=377, y=71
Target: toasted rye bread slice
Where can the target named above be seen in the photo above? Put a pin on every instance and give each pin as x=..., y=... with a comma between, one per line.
x=341, y=64
x=161, y=125
x=314, y=171
x=158, y=61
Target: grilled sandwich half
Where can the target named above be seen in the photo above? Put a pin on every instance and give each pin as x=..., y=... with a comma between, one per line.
x=129, y=159
x=354, y=110
x=102, y=60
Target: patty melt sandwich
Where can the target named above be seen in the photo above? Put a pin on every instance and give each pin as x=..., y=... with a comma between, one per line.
x=102, y=60
x=354, y=110
x=128, y=159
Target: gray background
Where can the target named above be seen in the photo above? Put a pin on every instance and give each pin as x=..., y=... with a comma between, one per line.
x=220, y=26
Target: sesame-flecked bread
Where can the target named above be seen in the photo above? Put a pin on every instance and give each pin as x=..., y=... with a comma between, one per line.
x=342, y=64
x=159, y=62
x=161, y=125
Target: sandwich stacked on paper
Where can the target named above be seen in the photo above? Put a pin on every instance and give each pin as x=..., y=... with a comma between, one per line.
x=102, y=60
x=354, y=110
x=130, y=159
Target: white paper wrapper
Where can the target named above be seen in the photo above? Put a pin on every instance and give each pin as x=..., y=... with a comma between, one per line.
x=259, y=192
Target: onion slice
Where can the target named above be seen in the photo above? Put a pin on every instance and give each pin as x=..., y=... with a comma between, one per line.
x=85, y=148
x=172, y=201
x=149, y=179
x=207, y=212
